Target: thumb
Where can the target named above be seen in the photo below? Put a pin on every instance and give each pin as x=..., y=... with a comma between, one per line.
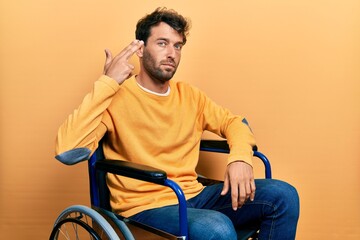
x=225, y=187
x=108, y=59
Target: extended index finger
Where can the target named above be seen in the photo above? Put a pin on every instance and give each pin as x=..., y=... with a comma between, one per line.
x=131, y=49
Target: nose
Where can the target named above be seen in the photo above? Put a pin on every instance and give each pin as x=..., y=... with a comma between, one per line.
x=171, y=52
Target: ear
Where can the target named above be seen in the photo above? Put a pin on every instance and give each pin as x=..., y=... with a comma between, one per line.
x=140, y=51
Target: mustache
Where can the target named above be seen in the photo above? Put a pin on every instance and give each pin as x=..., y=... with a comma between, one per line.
x=168, y=62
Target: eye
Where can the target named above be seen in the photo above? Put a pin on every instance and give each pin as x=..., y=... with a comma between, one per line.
x=178, y=46
x=161, y=44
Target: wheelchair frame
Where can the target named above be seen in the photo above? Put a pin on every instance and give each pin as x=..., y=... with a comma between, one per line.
x=99, y=194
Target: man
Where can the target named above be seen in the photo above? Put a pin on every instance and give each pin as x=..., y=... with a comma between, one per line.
x=148, y=119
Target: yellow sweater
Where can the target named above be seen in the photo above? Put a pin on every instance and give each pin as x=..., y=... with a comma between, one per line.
x=160, y=131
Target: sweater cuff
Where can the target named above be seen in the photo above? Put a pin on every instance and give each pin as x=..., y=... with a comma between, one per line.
x=110, y=82
x=247, y=158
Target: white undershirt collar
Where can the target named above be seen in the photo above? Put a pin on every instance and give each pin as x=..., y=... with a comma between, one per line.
x=155, y=93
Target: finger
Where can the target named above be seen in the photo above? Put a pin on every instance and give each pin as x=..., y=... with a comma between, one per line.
x=122, y=53
x=108, y=55
x=108, y=59
x=234, y=196
x=253, y=188
x=225, y=187
x=131, y=68
x=132, y=48
x=242, y=195
x=247, y=190
x=129, y=51
x=127, y=71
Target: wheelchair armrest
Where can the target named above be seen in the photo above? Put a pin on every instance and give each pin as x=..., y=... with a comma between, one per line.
x=148, y=174
x=214, y=146
x=220, y=146
x=132, y=170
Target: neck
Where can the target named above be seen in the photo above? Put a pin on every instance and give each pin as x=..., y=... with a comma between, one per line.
x=152, y=84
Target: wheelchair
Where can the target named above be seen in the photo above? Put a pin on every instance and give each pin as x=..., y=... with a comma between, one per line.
x=99, y=222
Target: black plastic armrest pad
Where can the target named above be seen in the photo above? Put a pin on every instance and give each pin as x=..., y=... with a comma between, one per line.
x=217, y=144
x=132, y=170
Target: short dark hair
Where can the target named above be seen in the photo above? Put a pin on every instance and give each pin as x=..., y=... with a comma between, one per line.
x=168, y=16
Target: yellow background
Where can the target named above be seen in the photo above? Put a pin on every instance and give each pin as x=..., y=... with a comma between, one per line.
x=292, y=67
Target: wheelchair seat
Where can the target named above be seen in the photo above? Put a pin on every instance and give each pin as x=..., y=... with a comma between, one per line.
x=99, y=222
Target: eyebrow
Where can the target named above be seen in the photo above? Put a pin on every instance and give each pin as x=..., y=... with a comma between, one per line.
x=167, y=40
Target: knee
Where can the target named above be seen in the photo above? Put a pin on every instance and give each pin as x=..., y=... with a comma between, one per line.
x=286, y=198
x=285, y=191
x=214, y=227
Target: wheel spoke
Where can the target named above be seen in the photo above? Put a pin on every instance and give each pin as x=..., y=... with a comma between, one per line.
x=79, y=223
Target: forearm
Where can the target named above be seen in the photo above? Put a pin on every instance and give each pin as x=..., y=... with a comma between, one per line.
x=83, y=128
x=234, y=128
x=241, y=141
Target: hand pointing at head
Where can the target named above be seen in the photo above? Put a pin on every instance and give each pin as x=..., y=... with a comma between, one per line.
x=119, y=68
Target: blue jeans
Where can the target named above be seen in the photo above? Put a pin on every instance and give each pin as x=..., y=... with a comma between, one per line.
x=275, y=211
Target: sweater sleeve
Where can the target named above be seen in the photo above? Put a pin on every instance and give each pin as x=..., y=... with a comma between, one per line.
x=79, y=135
x=234, y=128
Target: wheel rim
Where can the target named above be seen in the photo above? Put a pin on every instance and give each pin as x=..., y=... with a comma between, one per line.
x=79, y=226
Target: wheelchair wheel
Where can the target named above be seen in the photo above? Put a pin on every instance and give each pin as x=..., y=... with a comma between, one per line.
x=81, y=222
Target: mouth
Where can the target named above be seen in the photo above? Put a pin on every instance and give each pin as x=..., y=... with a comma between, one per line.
x=169, y=64
x=169, y=68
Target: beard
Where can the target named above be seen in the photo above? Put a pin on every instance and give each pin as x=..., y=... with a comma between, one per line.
x=155, y=72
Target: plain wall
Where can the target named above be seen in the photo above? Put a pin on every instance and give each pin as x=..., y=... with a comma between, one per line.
x=292, y=67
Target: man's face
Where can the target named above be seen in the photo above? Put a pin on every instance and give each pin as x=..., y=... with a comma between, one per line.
x=162, y=53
